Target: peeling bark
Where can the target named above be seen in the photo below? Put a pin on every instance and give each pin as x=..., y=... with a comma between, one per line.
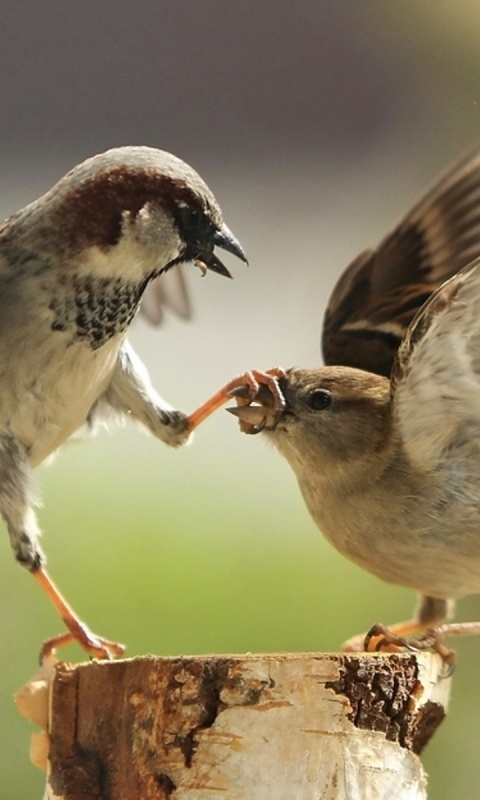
x=381, y=695
x=253, y=727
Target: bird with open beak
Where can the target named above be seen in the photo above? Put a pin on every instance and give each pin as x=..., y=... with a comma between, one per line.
x=74, y=267
x=385, y=439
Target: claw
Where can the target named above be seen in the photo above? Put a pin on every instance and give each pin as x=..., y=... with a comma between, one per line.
x=380, y=638
x=245, y=387
x=260, y=388
x=78, y=632
x=95, y=646
x=243, y=392
x=263, y=394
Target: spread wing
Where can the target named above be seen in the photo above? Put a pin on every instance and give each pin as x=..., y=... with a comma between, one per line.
x=169, y=290
x=379, y=293
x=436, y=374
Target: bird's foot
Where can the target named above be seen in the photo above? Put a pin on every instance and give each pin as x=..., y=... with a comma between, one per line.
x=382, y=639
x=403, y=630
x=94, y=645
x=259, y=407
x=245, y=388
x=175, y=429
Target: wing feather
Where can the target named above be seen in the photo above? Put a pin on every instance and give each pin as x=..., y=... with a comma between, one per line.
x=169, y=290
x=436, y=374
x=379, y=293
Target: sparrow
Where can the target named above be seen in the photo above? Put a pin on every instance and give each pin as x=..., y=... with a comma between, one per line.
x=74, y=266
x=384, y=440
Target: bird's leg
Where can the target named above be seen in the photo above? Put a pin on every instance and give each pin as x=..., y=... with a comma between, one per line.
x=131, y=393
x=16, y=498
x=244, y=388
x=78, y=632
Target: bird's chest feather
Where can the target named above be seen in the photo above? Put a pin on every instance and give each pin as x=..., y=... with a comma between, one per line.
x=58, y=350
x=49, y=396
x=92, y=309
x=407, y=534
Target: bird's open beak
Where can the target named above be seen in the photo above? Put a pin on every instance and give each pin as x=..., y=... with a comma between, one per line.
x=223, y=238
x=253, y=419
x=258, y=417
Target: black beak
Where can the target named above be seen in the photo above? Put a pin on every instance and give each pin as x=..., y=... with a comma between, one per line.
x=224, y=238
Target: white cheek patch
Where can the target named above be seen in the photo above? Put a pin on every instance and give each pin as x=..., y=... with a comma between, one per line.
x=155, y=233
x=147, y=243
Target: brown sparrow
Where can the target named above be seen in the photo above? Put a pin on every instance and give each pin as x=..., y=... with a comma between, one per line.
x=389, y=467
x=74, y=266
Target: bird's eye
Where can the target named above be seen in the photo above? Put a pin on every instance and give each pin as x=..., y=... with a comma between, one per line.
x=319, y=399
x=191, y=217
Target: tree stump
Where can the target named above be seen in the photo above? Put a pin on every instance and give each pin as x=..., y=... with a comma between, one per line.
x=252, y=727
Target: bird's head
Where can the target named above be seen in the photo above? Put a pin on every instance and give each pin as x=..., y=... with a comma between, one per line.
x=334, y=417
x=132, y=213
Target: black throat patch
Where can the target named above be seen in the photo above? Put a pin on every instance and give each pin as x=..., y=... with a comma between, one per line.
x=94, y=309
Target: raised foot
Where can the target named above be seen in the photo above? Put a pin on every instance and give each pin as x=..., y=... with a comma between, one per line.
x=245, y=388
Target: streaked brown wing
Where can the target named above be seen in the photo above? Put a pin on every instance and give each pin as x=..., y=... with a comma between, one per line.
x=379, y=293
x=169, y=290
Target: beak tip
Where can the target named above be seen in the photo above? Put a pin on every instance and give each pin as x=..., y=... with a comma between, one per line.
x=225, y=239
x=233, y=410
x=252, y=415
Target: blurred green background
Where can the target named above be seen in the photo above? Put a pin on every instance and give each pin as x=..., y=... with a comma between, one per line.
x=317, y=125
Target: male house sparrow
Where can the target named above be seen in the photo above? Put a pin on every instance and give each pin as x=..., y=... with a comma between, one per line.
x=74, y=266
x=389, y=468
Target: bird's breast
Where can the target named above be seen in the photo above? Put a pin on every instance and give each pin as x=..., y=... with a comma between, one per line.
x=423, y=538
x=47, y=389
x=60, y=334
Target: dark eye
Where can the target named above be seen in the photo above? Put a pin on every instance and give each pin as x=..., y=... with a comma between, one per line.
x=319, y=399
x=191, y=218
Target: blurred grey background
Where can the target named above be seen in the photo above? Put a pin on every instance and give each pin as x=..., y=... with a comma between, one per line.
x=316, y=124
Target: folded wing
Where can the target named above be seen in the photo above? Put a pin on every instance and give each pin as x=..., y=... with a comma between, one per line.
x=436, y=376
